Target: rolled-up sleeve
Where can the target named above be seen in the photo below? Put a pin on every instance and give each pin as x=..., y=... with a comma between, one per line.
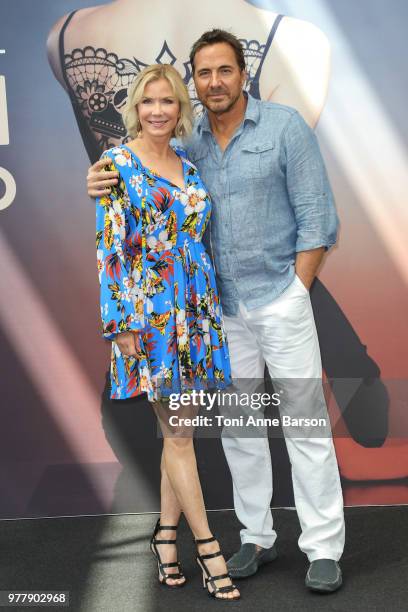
x=308, y=187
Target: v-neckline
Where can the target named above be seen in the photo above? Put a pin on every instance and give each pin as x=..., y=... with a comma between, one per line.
x=154, y=173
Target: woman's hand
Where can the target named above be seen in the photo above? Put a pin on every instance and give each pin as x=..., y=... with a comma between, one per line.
x=99, y=181
x=128, y=343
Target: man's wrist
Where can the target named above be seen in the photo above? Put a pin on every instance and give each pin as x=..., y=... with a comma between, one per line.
x=306, y=279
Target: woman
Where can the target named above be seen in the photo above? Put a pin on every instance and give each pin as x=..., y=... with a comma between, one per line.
x=159, y=302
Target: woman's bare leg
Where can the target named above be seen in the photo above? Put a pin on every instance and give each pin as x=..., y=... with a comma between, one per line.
x=180, y=467
x=170, y=511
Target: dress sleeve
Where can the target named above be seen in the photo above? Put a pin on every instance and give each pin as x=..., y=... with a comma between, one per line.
x=118, y=231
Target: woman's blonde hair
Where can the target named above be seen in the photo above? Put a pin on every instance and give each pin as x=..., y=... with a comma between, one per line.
x=135, y=94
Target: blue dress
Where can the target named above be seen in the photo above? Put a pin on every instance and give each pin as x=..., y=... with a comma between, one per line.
x=156, y=278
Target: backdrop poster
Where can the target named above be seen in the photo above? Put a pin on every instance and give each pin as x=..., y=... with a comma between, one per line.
x=63, y=449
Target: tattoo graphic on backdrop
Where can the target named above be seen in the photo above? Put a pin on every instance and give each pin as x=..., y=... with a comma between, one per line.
x=96, y=79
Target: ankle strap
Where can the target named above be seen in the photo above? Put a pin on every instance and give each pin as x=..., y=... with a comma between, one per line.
x=164, y=527
x=211, y=555
x=167, y=527
x=206, y=540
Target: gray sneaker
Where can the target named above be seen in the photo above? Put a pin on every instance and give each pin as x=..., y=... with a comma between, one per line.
x=324, y=575
x=248, y=559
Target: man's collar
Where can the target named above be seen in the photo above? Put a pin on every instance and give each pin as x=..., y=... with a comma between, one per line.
x=251, y=114
x=252, y=109
x=204, y=123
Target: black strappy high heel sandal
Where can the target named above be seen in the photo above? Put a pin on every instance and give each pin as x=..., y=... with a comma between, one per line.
x=208, y=579
x=163, y=576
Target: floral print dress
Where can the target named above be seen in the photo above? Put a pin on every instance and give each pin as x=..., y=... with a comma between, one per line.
x=156, y=278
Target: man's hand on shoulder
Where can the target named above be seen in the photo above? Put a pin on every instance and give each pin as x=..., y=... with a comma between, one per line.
x=99, y=181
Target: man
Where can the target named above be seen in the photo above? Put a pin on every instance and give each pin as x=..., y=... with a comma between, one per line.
x=273, y=218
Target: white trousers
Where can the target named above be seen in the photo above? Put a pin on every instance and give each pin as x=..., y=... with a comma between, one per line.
x=283, y=335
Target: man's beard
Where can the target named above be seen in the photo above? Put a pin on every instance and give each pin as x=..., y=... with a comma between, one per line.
x=226, y=108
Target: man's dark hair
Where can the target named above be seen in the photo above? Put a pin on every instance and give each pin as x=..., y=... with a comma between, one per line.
x=215, y=36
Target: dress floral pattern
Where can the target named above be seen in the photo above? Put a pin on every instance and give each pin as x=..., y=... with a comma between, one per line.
x=156, y=278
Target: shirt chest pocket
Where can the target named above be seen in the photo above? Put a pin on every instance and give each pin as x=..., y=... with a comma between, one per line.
x=257, y=160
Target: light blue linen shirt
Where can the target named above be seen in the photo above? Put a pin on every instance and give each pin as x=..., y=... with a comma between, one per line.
x=271, y=199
